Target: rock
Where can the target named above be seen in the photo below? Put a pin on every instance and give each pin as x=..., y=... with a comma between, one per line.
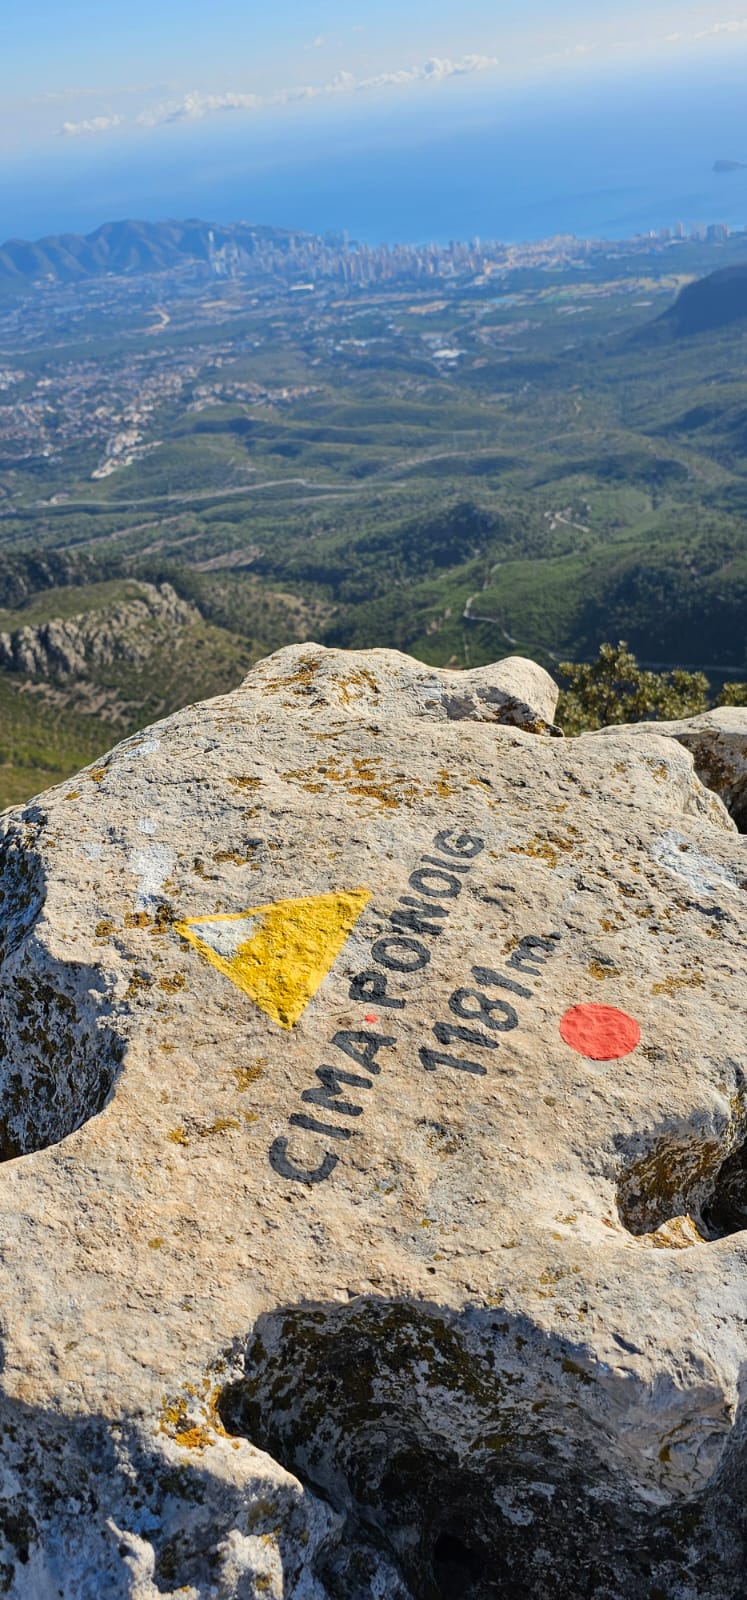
x=718, y=741
x=391, y=685
x=373, y=1099
x=67, y=648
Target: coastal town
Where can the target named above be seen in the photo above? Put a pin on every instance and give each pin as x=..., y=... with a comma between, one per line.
x=92, y=372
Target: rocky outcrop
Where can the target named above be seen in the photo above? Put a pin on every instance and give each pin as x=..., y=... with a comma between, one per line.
x=373, y=1098
x=71, y=647
x=718, y=742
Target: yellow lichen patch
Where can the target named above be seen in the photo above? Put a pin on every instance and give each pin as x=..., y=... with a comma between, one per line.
x=221, y=1125
x=164, y=918
x=177, y=1136
x=155, y=1244
x=194, y=1438
x=246, y=783
x=136, y=919
x=230, y=855
x=361, y=679
x=690, y=980
x=681, y=1233
x=364, y=780
x=73, y=795
x=547, y=849
x=603, y=969
x=173, y=1415
x=443, y=785
x=96, y=774
x=104, y=928
x=193, y=1423
x=283, y=952
x=246, y=1076
x=172, y=984
x=138, y=982
x=335, y=732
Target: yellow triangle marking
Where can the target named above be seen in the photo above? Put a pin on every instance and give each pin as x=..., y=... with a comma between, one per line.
x=279, y=954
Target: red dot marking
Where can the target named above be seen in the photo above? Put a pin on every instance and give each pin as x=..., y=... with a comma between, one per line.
x=600, y=1032
x=370, y=1017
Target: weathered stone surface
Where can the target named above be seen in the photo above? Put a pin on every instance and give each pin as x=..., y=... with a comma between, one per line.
x=393, y=686
x=372, y=1083
x=718, y=741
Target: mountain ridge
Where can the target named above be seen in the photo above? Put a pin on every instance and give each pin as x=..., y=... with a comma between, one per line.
x=708, y=303
x=133, y=246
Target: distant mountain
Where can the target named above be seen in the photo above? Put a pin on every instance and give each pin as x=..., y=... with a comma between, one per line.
x=707, y=304
x=133, y=248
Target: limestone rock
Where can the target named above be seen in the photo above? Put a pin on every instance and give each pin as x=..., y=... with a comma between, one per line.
x=718, y=741
x=67, y=648
x=389, y=685
x=373, y=1101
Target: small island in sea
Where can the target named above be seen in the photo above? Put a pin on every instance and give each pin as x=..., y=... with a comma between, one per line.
x=730, y=166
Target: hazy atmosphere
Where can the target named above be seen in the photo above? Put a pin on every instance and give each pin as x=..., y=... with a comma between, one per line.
x=414, y=123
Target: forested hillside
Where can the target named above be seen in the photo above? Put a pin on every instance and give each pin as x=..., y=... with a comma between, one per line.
x=535, y=463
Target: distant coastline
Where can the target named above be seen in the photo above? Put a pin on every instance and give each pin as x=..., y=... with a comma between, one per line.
x=730, y=166
x=132, y=248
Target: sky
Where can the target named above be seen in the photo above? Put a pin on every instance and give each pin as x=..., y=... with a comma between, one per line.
x=98, y=68
x=90, y=86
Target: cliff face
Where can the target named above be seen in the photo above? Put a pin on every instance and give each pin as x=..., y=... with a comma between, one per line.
x=70, y=647
x=372, y=1100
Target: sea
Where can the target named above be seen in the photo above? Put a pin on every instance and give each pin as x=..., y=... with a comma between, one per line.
x=590, y=155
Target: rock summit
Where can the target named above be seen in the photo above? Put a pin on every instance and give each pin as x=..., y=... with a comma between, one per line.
x=373, y=1113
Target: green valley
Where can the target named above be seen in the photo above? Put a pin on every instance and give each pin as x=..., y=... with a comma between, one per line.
x=529, y=458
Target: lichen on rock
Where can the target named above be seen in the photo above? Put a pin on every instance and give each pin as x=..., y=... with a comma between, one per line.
x=373, y=1117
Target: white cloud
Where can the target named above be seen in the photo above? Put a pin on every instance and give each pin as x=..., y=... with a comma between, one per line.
x=318, y=43
x=736, y=25
x=433, y=71
x=196, y=105
x=73, y=130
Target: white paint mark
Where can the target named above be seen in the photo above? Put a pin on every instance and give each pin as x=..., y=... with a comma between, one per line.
x=151, y=867
x=147, y=748
x=685, y=861
x=147, y=825
x=225, y=938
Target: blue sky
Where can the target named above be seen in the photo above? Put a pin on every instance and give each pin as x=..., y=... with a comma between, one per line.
x=115, y=69
x=146, y=107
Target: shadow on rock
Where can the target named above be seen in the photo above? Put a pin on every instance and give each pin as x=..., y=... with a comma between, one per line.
x=482, y=1455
